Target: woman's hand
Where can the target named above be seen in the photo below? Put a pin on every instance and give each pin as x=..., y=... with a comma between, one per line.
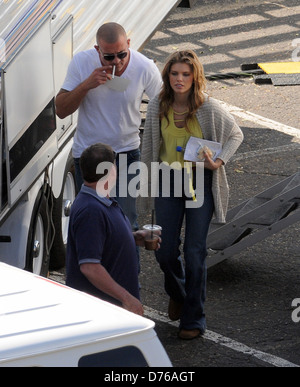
x=210, y=164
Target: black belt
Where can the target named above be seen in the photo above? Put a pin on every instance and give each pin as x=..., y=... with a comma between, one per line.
x=126, y=152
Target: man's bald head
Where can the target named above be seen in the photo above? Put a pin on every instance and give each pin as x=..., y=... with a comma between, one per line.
x=110, y=33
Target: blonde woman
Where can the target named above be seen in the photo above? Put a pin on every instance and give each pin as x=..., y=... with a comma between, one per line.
x=180, y=111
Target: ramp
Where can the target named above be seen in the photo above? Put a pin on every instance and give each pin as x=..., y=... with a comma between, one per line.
x=278, y=74
x=255, y=220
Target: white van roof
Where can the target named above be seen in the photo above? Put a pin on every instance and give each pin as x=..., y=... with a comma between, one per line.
x=36, y=313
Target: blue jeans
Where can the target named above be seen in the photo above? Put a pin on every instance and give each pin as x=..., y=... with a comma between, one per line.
x=185, y=283
x=128, y=203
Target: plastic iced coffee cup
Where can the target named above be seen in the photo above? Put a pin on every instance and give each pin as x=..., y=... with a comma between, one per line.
x=152, y=240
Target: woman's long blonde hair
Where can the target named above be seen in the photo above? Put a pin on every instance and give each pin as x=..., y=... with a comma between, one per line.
x=196, y=97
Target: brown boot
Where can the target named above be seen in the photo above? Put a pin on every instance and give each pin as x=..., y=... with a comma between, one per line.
x=189, y=334
x=175, y=310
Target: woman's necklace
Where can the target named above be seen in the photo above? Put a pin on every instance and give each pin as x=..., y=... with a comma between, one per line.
x=179, y=118
x=180, y=114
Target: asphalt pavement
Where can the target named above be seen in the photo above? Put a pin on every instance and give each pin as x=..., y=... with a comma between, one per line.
x=249, y=302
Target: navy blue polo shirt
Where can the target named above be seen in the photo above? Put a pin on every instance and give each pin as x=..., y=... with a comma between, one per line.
x=100, y=233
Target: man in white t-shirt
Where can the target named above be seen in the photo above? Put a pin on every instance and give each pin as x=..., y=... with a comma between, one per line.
x=109, y=114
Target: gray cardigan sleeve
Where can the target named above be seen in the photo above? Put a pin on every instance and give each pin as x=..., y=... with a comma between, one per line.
x=217, y=124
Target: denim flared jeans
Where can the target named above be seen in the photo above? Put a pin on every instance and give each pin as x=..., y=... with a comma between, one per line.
x=185, y=279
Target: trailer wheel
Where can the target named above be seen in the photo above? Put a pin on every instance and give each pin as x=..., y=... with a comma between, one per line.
x=37, y=258
x=60, y=215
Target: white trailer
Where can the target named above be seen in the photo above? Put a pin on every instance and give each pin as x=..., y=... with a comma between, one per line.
x=37, y=41
x=45, y=324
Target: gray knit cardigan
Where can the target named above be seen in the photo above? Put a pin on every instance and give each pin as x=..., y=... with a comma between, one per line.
x=217, y=125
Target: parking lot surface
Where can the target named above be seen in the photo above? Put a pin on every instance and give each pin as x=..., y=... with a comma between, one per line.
x=249, y=304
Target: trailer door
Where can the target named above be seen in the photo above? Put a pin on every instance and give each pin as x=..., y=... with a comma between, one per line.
x=29, y=111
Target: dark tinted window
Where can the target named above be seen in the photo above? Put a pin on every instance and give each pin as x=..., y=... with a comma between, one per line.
x=120, y=357
x=32, y=140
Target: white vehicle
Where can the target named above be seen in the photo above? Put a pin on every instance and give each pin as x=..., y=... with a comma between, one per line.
x=37, y=41
x=45, y=324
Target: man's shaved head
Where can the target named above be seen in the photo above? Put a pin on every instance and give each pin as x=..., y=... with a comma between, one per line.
x=110, y=33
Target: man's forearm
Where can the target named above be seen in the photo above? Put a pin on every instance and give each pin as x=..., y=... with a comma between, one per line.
x=101, y=279
x=67, y=102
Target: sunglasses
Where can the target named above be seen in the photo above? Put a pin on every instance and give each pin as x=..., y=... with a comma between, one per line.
x=111, y=57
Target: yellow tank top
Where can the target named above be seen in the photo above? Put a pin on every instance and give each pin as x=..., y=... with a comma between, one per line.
x=172, y=137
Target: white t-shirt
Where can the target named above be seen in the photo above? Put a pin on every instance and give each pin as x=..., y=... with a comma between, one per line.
x=109, y=116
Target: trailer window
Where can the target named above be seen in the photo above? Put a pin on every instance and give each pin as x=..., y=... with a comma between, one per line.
x=120, y=357
x=32, y=140
x=3, y=175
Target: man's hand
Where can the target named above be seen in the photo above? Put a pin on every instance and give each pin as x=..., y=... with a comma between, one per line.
x=133, y=305
x=141, y=235
x=98, y=77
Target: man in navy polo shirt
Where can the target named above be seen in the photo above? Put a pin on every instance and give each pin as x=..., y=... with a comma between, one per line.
x=101, y=251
